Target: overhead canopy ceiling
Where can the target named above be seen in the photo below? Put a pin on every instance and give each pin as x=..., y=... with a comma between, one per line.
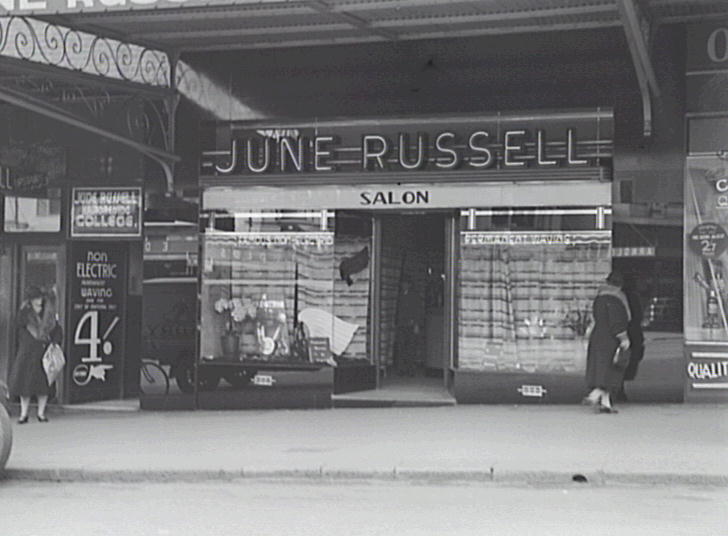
x=248, y=24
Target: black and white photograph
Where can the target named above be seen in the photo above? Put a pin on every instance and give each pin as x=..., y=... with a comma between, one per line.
x=363, y=267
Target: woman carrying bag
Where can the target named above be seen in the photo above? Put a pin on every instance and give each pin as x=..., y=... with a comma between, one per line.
x=608, y=351
x=38, y=328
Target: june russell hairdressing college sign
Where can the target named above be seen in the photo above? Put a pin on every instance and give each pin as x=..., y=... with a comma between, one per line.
x=498, y=142
x=106, y=212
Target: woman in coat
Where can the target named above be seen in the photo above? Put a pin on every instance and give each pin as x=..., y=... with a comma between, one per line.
x=611, y=317
x=37, y=328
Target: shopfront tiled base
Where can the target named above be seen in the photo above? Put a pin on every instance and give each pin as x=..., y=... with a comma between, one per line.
x=475, y=387
x=290, y=390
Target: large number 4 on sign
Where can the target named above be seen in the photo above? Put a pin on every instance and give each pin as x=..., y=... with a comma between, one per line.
x=93, y=341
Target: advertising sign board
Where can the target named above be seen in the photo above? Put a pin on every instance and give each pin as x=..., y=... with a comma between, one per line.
x=97, y=320
x=106, y=212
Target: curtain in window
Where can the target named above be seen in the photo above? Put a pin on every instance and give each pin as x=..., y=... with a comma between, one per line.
x=525, y=299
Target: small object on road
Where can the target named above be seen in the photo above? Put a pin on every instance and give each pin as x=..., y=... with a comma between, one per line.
x=579, y=478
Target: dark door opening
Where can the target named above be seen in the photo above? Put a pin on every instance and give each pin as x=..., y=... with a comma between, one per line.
x=412, y=300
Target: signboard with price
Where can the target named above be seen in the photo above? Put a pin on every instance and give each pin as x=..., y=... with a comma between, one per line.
x=709, y=240
x=97, y=301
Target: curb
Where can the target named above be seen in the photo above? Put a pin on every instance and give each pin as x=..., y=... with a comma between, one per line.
x=545, y=478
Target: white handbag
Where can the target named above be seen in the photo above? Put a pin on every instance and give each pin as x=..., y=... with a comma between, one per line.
x=53, y=362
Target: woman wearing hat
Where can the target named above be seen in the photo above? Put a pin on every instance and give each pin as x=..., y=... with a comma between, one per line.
x=611, y=317
x=37, y=328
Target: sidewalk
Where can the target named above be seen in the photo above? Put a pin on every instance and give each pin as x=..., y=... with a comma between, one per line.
x=642, y=444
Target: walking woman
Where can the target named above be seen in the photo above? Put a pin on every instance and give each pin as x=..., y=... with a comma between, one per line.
x=37, y=328
x=611, y=317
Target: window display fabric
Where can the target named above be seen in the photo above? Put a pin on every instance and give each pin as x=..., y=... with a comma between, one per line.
x=527, y=307
x=351, y=302
x=320, y=323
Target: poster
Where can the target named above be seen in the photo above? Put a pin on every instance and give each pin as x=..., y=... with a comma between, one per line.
x=706, y=253
x=97, y=320
x=106, y=212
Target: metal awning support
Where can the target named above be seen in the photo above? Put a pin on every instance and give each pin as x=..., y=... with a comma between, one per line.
x=44, y=43
x=636, y=29
x=165, y=159
x=57, y=52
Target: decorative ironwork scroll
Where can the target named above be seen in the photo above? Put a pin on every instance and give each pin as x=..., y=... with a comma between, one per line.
x=34, y=40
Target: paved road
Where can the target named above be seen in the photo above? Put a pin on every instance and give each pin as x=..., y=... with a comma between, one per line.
x=354, y=509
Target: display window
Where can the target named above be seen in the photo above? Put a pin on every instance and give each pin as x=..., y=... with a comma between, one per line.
x=526, y=285
x=33, y=214
x=284, y=287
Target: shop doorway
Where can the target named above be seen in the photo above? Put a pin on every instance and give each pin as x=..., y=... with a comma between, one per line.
x=410, y=299
x=42, y=266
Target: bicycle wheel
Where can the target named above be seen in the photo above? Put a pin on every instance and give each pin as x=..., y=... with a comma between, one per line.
x=153, y=379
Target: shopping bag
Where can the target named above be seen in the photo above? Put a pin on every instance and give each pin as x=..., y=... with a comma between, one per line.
x=53, y=362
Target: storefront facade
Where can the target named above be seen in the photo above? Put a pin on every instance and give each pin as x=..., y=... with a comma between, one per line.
x=487, y=159
x=501, y=223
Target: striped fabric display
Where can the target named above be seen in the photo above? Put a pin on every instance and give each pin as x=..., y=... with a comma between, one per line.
x=526, y=307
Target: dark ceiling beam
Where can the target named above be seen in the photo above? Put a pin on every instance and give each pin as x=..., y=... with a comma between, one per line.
x=354, y=20
x=500, y=16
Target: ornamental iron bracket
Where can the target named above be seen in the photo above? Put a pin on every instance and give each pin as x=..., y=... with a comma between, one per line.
x=40, y=106
x=82, y=80
x=41, y=42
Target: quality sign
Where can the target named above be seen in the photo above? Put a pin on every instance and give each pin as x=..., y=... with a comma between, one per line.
x=106, y=212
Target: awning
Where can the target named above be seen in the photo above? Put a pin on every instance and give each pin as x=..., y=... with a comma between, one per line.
x=194, y=25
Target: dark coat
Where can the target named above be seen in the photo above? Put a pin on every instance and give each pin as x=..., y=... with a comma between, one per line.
x=610, y=318
x=27, y=377
x=636, y=336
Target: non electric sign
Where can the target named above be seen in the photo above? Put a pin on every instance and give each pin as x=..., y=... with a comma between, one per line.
x=106, y=212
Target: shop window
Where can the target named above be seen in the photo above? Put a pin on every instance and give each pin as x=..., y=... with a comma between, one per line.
x=32, y=214
x=283, y=287
x=525, y=294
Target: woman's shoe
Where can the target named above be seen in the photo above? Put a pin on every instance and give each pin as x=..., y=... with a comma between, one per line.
x=22, y=420
x=42, y=418
x=606, y=409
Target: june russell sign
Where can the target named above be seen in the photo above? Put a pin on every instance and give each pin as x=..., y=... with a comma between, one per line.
x=106, y=212
x=261, y=152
